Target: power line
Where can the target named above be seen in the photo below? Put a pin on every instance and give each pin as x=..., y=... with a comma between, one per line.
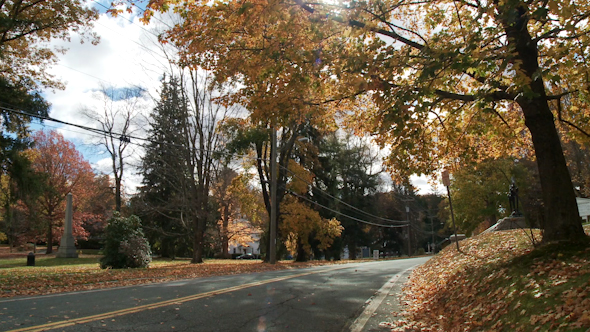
x=345, y=215
x=122, y=136
x=128, y=137
x=344, y=203
x=130, y=21
x=83, y=73
x=153, y=17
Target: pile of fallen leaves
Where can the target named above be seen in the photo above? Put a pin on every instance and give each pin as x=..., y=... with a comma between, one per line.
x=47, y=280
x=500, y=282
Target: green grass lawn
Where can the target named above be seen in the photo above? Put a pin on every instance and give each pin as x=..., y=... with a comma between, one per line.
x=42, y=260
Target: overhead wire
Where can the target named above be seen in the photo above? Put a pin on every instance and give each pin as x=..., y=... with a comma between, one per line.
x=130, y=21
x=342, y=202
x=344, y=215
x=153, y=17
x=115, y=134
x=101, y=132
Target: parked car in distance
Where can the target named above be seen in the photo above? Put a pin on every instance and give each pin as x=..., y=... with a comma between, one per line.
x=245, y=256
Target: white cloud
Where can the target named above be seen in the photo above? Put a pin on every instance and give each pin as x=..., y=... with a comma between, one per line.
x=126, y=56
x=422, y=184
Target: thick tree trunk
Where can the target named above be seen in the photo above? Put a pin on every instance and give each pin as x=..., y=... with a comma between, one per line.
x=301, y=254
x=117, y=193
x=198, y=238
x=352, y=250
x=49, y=238
x=563, y=222
x=561, y=210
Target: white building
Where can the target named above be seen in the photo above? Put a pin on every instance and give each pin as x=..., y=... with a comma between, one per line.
x=584, y=207
x=246, y=248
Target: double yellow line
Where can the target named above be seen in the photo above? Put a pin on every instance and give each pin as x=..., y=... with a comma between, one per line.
x=180, y=300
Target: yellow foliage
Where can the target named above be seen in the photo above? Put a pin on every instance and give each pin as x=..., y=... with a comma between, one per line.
x=300, y=222
x=300, y=180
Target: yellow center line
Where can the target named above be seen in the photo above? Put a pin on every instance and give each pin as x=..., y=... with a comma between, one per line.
x=180, y=300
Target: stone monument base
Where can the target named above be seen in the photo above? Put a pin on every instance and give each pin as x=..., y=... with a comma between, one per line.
x=67, y=253
x=506, y=224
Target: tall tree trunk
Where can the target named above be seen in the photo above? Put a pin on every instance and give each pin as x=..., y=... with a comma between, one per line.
x=563, y=221
x=352, y=249
x=200, y=223
x=117, y=193
x=118, y=178
x=225, y=231
x=301, y=254
x=199, y=235
x=198, y=239
x=50, y=237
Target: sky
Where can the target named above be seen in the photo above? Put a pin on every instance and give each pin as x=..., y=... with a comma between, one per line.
x=127, y=56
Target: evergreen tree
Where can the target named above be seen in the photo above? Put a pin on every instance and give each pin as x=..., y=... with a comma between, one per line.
x=161, y=195
x=344, y=170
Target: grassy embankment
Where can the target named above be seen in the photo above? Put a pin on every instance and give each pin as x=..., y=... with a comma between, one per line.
x=500, y=282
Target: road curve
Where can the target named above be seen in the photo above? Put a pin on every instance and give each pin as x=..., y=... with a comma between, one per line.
x=329, y=298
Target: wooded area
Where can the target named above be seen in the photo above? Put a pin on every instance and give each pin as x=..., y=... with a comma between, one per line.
x=493, y=91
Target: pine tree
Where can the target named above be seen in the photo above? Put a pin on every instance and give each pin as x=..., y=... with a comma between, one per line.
x=162, y=169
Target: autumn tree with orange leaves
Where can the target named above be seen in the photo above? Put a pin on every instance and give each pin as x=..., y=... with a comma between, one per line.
x=439, y=81
x=240, y=210
x=26, y=32
x=65, y=171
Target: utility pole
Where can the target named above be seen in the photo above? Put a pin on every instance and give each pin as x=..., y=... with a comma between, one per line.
x=409, y=231
x=447, y=183
x=432, y=231
x=272, y=259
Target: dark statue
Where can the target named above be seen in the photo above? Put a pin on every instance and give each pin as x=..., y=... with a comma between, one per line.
x=513, y=199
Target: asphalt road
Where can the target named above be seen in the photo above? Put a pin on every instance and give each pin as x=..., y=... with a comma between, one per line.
x=350, y=297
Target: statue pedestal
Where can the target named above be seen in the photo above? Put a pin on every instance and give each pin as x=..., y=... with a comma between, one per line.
x=67, y=247
x=507, y=223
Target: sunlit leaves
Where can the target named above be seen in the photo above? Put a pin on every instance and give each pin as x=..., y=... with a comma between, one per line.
x=495, y=284
x=26, y=29
x=300, y=223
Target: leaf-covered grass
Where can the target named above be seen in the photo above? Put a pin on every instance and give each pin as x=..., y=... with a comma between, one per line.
x=500, y=282
x=55, y=275
x=41, y=260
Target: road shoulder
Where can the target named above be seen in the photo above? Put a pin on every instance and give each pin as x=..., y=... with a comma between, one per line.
x=383, y=308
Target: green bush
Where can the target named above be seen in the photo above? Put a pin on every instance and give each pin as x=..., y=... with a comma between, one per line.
x=125, y=245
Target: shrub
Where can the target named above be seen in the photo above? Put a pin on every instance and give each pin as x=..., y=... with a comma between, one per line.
x=137, y=251
x=125, y=245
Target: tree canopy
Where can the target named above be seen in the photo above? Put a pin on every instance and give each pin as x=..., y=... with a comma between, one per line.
x=65, y=171
x=27, y=26
x=439, y=81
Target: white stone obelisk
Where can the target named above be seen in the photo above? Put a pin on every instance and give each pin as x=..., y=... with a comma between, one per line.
x=67, y=247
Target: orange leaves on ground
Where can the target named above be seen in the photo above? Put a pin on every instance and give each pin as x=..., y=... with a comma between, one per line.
x=49, y=280
x=496, y=284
